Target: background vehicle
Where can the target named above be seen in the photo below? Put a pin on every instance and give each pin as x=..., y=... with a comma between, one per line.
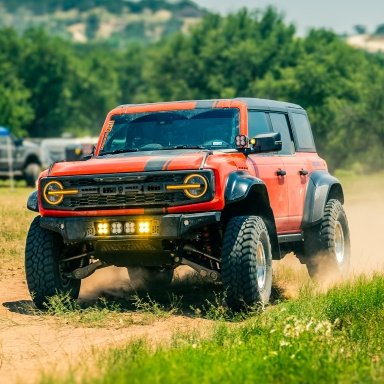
x=21, y=157
x=30, y=157
x=223, y=186
x=61, y=149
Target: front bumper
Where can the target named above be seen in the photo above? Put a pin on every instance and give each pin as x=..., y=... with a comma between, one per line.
x=171, y=226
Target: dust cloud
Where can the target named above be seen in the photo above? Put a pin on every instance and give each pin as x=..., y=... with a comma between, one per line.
x=365, y=213
x=366, y=221
x=116, y=282
x=110, y=280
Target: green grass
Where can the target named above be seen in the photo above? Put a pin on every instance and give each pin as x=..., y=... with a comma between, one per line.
x=108, y=312
x=336, y=337
x=15, y=220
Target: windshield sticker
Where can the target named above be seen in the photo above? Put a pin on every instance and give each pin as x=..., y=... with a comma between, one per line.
x=217, y=143
x=107, y=130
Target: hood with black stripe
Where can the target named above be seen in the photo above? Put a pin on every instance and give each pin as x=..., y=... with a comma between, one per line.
x=134, y=162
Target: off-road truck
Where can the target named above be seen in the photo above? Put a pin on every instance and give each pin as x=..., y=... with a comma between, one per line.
x=25, y=157
x=223, y=186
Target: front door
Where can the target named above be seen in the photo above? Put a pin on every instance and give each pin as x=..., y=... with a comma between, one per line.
x=270, y=169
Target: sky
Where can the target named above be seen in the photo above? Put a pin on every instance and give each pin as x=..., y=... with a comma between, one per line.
x=339, y=15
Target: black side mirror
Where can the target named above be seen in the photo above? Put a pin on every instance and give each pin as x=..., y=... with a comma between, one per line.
x=266, y=142
x=18, y=142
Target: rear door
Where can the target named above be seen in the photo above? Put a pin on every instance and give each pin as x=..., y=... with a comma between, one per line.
x=295, y=160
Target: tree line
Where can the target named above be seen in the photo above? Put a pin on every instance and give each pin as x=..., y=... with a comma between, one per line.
x=49, y=86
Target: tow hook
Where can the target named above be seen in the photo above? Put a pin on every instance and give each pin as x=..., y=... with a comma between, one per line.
x=82, y=273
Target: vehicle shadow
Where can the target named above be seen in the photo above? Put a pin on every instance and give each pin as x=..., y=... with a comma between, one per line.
x=22, y=307
x=189, y=296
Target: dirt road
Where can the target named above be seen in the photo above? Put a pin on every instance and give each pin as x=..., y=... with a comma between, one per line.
x=31, y=343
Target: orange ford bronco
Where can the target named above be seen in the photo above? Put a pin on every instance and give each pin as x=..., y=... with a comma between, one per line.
x=223, y=186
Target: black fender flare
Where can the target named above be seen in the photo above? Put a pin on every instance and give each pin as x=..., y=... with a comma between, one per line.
x=247, y=195
x=33, y=202
x=321, y=187
x=238, y=186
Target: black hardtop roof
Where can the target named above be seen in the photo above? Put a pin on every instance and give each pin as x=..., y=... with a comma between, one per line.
x=251, y=102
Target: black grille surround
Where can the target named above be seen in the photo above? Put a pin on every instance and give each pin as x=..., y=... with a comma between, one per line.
x=126, y=190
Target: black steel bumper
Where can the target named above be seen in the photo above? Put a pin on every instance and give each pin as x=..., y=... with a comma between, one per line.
x=171, y=226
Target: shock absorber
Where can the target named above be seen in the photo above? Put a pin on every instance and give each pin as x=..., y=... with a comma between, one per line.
x=206, y=243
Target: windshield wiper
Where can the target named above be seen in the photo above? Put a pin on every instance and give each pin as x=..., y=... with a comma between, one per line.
x=184, y=146
x=121, y=150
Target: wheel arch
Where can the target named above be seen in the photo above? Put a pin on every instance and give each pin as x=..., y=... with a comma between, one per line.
x=321, y=188
x=32, y=158
x=247, y=195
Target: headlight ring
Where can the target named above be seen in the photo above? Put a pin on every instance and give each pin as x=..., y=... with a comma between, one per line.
x=198, y=180
x=52, y=193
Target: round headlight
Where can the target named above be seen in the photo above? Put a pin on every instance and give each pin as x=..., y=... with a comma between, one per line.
x=52, y=193
x=200, y=191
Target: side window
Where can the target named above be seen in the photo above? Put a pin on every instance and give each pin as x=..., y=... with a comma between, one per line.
x=280, y=125
x=257, y=123
x=303, y=133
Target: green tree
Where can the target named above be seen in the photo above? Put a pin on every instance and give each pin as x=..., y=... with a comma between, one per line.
x=15, y=111
x=221, y=57
x=48, y=70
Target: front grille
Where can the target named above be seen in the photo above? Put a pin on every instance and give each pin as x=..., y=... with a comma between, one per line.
x=123, y=201
x=118, y=191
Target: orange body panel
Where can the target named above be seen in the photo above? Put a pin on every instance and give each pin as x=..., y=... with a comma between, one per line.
x=286, y=194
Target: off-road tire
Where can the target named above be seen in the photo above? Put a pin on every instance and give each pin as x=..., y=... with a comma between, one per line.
x=243, y=237
x=31, y=174
x=327, y=246
x=42, y=267
x=150, y=278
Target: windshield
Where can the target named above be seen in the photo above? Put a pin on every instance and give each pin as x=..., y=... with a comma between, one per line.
x=197, y=128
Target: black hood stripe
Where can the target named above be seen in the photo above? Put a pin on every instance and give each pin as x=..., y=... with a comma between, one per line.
x=156, y=164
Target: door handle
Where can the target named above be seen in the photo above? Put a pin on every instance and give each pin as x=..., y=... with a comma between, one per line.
x=281, y=172
x=303, y=172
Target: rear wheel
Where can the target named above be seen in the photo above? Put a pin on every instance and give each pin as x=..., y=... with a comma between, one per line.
x=44, y=272
x=246, y=262
x=150, y=278
x=327, y=246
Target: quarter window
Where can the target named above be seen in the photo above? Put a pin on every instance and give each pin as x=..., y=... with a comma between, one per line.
x=303, y=132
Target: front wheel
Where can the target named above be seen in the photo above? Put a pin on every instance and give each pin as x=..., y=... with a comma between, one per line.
x=44, y=272
x=327, y=246
x=246, y=262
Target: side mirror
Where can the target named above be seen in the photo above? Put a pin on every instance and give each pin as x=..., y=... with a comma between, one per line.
x=266, y=142
x=18, y=142
x=73, y=153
